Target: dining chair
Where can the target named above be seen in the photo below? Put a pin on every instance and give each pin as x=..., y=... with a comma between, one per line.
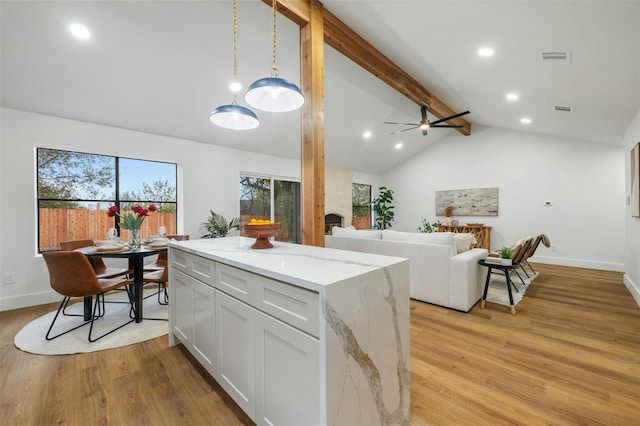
x=158, y=272
x=71, y=275
x=102, y=270
x=161, y=261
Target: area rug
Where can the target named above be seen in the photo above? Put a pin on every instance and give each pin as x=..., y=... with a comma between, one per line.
x=31, y=337
x=497, y=292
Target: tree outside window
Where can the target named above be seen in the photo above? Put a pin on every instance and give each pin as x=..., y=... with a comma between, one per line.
x=273, y=199
x=361, y=196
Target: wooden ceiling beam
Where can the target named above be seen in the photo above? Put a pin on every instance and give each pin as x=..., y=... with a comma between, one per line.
x=346, y=41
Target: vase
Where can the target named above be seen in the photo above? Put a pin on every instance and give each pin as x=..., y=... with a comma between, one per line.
x=134, y=238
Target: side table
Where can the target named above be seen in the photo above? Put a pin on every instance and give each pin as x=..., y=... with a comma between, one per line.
x=506, y=269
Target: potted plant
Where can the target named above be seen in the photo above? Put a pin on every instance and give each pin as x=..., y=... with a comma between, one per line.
x=218, y=227
x=383, y=208
x=429, y=227
x=506, y=255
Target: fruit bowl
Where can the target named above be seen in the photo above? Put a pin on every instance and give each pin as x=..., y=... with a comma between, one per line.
x=261, y=232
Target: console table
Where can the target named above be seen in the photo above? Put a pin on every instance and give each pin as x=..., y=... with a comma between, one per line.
x=481, y=233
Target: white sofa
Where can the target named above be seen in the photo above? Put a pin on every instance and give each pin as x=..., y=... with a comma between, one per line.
x=443, y=270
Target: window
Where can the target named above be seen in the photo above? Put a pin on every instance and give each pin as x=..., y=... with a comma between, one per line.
x=361, y=196
x=75, y=189
x=273, y=199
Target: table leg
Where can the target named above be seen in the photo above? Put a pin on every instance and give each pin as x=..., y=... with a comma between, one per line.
x=509, y=284
x=137, y=264
x=88, y=304
x=486, y=288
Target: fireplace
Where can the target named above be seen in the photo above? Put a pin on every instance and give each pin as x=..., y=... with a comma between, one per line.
x=330, y=221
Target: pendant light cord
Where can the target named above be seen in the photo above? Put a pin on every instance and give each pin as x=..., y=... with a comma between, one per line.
x=274, y=69
x=235, y=47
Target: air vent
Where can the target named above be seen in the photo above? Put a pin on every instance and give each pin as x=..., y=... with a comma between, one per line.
x=556, y=56
x=563, y=108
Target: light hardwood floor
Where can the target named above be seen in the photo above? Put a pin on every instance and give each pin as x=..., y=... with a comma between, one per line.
x=570, y=356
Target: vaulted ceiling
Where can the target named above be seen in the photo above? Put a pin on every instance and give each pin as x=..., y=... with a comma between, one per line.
x=162, y=66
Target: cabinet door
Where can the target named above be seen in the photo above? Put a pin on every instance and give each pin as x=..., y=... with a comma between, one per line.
x=203, y=341
x=287, y=374
x=181, y=302
x=235, y=350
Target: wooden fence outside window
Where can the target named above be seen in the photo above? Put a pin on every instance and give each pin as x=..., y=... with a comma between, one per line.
x=75, y=224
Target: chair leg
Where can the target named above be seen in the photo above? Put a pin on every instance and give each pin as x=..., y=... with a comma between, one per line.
x=162, y=288
x=63, y=306
x=96, y=308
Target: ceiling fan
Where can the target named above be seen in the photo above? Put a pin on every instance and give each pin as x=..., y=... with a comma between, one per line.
x=425, y=124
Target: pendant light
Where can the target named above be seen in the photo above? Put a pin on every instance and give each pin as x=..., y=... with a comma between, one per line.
x=234, y=116
x=273, y=93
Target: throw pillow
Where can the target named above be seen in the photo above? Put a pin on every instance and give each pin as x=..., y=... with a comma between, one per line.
x=440, y=238
x=356, y=233
x=463, y=242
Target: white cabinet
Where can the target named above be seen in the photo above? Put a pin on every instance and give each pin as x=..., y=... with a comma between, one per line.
x=287, y=379
x=192, y=313
x=235, y=367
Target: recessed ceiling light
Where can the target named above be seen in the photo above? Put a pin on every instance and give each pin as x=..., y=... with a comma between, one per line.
x=398, y=145
x=235, y=86
x=485, y=52
x=513, y=96
x=366, y=134
x=525, y=120
x=80, y=31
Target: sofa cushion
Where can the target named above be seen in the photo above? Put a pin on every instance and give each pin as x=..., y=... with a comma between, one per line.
x=463, y=242
x=356, y=233
x=440, y=238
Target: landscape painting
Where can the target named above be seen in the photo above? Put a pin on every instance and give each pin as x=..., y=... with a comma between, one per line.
x=468, y=202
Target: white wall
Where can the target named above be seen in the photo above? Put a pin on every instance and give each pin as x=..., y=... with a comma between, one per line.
x=584, y=181
x=632, y=255
x=207, y=180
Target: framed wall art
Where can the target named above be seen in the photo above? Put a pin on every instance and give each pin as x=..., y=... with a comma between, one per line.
x=468, y=202
x=635, y=181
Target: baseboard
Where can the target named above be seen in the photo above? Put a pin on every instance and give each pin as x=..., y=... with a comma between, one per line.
x=26, y=300
x=580, y=263
x=633, y=288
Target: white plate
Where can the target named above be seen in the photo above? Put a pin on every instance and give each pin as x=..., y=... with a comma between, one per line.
x=155, y=245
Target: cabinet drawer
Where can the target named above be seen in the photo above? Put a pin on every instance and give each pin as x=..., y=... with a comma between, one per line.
x=295, y=306
x=197, y=267
x=235, y=282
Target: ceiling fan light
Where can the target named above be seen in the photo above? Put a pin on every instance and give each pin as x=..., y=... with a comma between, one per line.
x=234, y=117
x=274, y=94
x=424, y=125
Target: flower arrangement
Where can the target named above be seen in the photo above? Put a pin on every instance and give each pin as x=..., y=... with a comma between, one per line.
x=132, y=220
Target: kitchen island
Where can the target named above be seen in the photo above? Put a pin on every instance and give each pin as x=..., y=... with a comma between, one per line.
x=296, y=334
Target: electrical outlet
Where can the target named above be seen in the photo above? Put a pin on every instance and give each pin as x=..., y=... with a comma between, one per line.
x=10, y=278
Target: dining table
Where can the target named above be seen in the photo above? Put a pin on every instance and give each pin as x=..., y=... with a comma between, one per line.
x=135, y=257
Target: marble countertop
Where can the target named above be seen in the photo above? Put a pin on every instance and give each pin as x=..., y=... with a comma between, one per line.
x=309, y=267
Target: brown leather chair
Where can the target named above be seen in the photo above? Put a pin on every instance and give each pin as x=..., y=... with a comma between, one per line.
x=161, y=261
x=158, y=272
x=71, y=275
x=102, y=271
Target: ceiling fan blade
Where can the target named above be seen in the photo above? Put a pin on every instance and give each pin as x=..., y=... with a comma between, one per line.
x=450, y=118
x=452, y=126
x=404, y=124
x=404, y=130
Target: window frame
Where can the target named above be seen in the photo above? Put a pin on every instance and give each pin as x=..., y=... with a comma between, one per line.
x=117, y=200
